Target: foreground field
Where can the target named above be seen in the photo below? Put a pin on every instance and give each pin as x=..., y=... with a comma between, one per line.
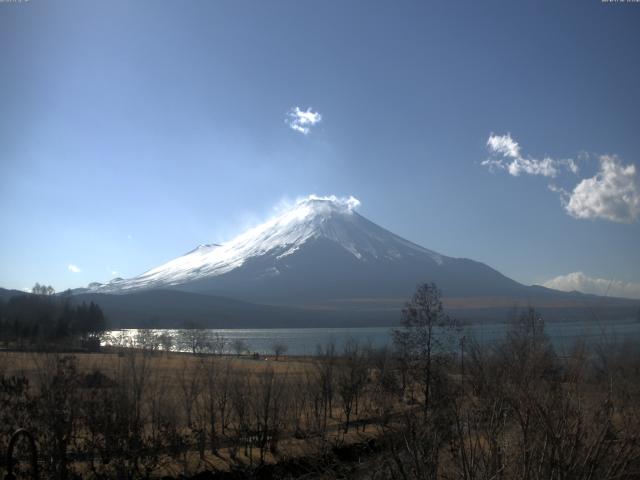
x=513, y=410
x=144, y=413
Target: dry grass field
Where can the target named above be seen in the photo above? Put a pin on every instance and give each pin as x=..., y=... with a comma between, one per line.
x=165, y=364
x=220, y=411
x=512, y=410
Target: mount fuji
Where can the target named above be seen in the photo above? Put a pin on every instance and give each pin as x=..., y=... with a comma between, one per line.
x=319, y=249
x=322, y=255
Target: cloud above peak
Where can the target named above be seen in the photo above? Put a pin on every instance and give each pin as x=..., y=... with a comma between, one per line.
x=349, y=203
x=506, y=155
x=302, y=120
x=578, y=281
x=308, y=204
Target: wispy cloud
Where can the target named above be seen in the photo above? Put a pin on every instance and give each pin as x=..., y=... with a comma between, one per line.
x=578, y=281
x=347, y=204
x=504, y=145
x=73, y=268
x=302, y=120
x=612, y=194
x=506, y=155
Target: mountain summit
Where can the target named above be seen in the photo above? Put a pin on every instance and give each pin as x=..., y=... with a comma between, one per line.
x=321, y=249
x=311, y=219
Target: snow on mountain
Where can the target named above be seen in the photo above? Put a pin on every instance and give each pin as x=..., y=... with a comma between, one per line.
x=312, y=218
x=318, y=263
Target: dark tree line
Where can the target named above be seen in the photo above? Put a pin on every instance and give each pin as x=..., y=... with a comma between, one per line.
x=44, y=317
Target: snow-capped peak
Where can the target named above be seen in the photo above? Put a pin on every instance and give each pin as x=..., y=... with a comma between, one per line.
x=306, y=208
x=331, y=218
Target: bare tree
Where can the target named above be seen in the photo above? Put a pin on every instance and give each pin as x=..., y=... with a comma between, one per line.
x=167, y=341
x=239, y=346
x=325, y=363
x=269, y=408
x=299, y=397
x=240, y=393
x=223, y=394
x=189, y=380
x=425, y=332
x=278, y=349
x=219, y=343
x=58, y=410
x=44, y=290
x=385, y=383
x=195, y=340
x=211, y=386
x=350, y=379
x=147, y=340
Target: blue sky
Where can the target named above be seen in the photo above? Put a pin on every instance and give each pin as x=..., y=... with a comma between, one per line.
x=132, y=131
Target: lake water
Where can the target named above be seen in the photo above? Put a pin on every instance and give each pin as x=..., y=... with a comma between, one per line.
x=305, y=341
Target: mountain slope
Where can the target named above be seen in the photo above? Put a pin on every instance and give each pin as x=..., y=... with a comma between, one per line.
x=6, y=294
x=176, y=309
x=331, y=219
x=319, y=250
x=323, y=256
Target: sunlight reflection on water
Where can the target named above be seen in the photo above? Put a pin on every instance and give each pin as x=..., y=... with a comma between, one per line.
x=305, y=341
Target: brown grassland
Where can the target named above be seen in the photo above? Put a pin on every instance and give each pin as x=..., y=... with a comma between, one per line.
x=511, y=410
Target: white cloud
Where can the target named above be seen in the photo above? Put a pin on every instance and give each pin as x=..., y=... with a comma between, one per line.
x=73, y=268
x=349, y=203
x=506, y=155
x=597, y=286
x=612, y=194
x=556, y=189
x=504, y=145
x=302, y=120
x=571, y=165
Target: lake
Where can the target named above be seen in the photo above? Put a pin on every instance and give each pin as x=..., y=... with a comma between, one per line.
x=304, y=341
